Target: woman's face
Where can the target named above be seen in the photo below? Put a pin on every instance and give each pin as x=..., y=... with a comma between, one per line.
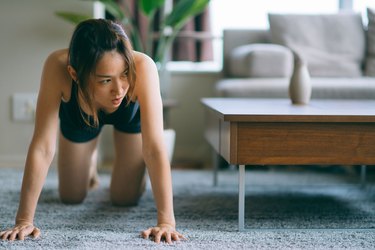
x=110, y=81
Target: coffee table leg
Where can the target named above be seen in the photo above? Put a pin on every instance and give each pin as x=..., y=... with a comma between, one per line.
x=215, y=162
x=241, y=198
x=363, y=176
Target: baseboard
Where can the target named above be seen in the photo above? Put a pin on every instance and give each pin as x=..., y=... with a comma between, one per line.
x=12, y=161
x=17, y=161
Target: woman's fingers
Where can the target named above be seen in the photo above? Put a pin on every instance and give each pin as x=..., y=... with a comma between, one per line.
x=36, y=232
x=21, y=235
x=168, y=238
x=5, y=234
x=20, y=232
x=13, y=235
x=146, y=233
x=158, y=234
x=176, y=236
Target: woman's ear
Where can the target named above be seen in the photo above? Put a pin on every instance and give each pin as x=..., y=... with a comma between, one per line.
x=72, y=73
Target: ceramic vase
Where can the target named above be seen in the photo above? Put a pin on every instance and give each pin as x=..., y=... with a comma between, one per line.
x=300, y=82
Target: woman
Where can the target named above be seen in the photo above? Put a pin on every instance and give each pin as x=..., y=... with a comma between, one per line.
x=98, y=80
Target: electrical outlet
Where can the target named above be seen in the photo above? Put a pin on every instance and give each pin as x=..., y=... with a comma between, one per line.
x=24, y=106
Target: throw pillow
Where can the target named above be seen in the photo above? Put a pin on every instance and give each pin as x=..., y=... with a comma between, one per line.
x=260, y=60
x=333, y=45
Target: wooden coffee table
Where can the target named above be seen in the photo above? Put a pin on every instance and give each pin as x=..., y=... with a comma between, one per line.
x=275, y=132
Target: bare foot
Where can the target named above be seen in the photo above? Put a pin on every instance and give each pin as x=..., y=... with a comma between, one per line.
x=94, y=181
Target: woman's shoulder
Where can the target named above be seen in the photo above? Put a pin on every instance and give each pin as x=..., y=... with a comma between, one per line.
x=147, y=75
x=143, y=61
x=58, y=57
x=56, y=73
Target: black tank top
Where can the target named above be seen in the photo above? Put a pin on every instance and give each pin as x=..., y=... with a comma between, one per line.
x=126, y=119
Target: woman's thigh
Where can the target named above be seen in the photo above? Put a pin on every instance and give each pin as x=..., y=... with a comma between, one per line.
x=74, y=163
x=128, y=176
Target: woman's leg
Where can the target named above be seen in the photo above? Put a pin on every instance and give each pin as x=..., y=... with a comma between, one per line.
x=76, y=168
x=128, y=175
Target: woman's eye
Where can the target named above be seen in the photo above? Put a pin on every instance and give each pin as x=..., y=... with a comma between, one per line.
x=105, y=81
x=124, y=77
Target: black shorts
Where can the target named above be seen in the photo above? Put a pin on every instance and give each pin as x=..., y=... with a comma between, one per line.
x=85, y=133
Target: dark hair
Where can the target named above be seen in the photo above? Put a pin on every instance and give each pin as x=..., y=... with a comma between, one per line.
x=90, y=40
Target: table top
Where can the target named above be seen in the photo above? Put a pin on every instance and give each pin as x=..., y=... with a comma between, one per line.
x=282, y=110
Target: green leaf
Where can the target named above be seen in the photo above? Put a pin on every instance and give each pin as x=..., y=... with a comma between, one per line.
x=74, y=18
x=113, y=8
x=149, y=6
x=184, y=10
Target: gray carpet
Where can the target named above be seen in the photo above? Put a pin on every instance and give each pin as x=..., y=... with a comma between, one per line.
x=284, y=210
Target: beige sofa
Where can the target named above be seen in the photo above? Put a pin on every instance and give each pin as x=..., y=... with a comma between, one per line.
x=338, y=49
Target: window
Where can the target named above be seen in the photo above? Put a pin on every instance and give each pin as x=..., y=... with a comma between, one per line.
x=361, y=6
x=253, y=14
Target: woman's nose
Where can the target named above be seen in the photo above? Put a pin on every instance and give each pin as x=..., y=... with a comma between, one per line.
x=117, y=87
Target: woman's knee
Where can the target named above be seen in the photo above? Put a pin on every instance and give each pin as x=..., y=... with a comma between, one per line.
x=125, y=200
x=127, y=196
x=72, y=198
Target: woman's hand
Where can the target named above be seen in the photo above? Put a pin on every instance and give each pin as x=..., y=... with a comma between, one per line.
x=164, y=232
x=20, y=231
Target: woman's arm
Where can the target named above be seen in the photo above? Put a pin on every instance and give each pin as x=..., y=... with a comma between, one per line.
x=42, y=147
x=154, y=150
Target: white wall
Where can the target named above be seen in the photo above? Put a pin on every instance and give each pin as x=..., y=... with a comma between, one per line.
x=188, y=118
x=30, y=31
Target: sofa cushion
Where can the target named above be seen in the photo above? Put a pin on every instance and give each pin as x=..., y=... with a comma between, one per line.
x=260, y=60
x=322, y=88
x=370, y=66
x=333, y=45
x=370, y=58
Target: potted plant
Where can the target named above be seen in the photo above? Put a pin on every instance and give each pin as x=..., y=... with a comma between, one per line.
x=156, y=44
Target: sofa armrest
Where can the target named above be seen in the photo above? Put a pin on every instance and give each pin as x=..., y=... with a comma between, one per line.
x=260, y=60
x=233, y=38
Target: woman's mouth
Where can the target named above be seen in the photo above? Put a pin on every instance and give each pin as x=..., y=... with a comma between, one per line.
x=117, y=101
